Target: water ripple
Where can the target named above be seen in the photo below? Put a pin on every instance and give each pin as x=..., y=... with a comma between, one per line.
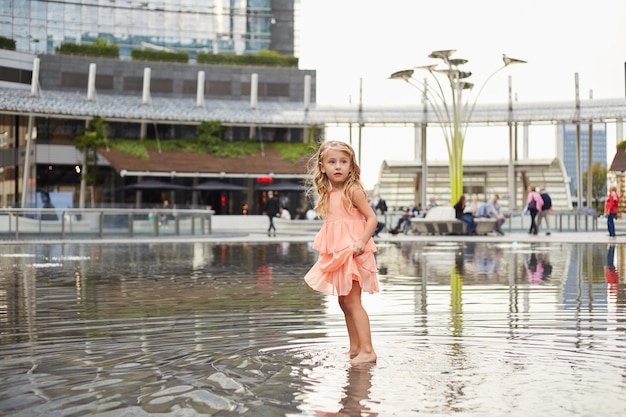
x=199, y=330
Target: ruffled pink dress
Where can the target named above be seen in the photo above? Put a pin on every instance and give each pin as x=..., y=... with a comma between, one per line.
x=336, y=267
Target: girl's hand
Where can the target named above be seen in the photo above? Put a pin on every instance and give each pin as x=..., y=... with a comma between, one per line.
x=358, y=248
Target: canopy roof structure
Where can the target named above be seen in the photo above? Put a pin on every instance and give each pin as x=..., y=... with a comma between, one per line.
x=112, y=107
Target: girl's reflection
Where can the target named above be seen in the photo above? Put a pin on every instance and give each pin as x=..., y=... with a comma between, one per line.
x=356, y=393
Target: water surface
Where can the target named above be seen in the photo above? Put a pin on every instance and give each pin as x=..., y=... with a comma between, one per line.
x=204, y=329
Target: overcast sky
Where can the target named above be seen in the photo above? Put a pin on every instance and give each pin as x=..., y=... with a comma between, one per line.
x=348, y=40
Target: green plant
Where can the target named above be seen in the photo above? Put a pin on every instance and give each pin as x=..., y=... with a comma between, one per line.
x=293, y=152
x=208, y=141
x=7, y=43
x=159, y=56
x=99, y=48
x=262, y=58
x=134, y=147
x=92, y=138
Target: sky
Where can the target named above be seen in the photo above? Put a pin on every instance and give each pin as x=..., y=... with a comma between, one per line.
x=346, y=41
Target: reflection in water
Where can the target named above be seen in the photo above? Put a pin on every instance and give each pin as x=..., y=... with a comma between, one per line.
x=538, y=269
x=356, y=393
x=215, y=329
x=610, y=272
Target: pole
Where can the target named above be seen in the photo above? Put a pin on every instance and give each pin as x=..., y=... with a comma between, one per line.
x=590, y=166
x=511, y=167
x=360, y=116
x=456, y=157
x=423, y=145
x=579, y=163
x=26, y=174
x=83, y=176
x=590, y=160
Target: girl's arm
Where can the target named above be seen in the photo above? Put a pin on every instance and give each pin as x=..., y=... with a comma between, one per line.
x=360, y=202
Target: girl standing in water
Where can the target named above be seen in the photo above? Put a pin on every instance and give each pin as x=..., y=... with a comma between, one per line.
x=346, y=264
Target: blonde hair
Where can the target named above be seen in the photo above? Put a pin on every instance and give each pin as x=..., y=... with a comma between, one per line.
x=320, y=184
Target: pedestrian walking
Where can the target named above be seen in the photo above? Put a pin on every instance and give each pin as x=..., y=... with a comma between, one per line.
x=271, y=210
x=545, y=212
x=534, y=203
x=611, y=206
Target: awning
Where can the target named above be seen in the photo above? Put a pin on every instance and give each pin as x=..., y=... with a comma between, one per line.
x=151, y=184
x=217, y=186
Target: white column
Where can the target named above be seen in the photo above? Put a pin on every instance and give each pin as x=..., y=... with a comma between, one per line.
x=307, y=92
x=34, y=83
x=254, y=91
x=91, y=82
x=200, y=90
x=145, y=98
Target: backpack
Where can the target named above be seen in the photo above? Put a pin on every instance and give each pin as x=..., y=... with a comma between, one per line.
x=547, y=202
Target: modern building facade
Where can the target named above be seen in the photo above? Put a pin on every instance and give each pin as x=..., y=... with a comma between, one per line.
x=567, y=149
x=192, y=26
x=156, y=90
x=237, y=27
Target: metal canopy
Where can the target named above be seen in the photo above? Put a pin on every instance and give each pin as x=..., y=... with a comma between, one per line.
x=217, y=186
x=283, y=186
x=151, y=184
x=61, y=104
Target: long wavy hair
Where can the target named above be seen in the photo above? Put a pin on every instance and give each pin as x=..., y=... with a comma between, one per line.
x=321, y=185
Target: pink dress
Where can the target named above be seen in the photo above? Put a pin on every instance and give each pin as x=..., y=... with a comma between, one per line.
x=336, y=267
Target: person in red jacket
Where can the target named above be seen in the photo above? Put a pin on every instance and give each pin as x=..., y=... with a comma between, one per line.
x=610, y=272
x=610, y=210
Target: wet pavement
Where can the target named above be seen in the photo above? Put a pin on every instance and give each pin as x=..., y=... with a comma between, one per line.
x=516, y=325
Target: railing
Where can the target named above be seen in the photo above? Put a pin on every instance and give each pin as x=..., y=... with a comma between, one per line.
x=111, y=223
x=103, y=223
x=560, y=220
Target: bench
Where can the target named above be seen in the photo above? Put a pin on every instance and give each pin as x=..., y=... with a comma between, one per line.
x=441, y=220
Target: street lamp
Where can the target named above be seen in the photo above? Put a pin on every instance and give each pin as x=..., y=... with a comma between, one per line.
x=454, y=110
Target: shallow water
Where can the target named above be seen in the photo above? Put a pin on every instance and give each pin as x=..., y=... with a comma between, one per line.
x=200, y=329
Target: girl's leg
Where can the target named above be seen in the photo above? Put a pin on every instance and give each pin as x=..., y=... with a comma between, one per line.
x=358, y=324
x=352, y=334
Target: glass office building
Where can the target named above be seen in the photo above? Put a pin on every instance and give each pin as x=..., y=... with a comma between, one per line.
x=566, y=149
x=206, y=26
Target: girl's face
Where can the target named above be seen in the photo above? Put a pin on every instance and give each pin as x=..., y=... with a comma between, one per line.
x=336, y=165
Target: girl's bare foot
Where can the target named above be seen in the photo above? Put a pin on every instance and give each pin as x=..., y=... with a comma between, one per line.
x=353, y=352
x=363, y=357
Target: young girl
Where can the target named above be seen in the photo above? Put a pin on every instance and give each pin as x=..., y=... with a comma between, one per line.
x=346, y=264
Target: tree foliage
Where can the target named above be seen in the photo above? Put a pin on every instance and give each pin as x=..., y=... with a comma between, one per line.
x=598, y=182
x=92, y=138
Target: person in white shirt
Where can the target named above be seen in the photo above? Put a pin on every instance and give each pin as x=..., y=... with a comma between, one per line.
x=284, y=213
x=495, y=211
x=311, y=214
